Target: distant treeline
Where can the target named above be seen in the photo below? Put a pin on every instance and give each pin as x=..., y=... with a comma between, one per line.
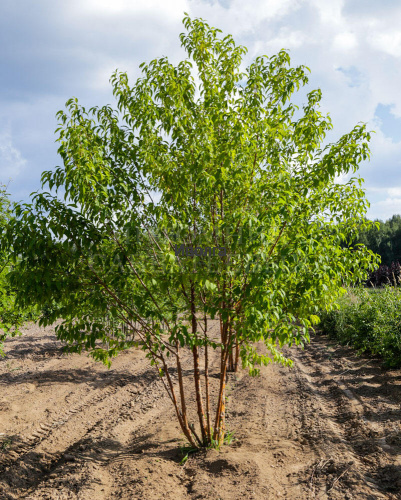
x=385, y=241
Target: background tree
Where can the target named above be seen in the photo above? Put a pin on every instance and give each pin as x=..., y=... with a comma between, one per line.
x=5, y=298
x=231, y=169
x=12, y=317
x=384, y=238
x=5, y=211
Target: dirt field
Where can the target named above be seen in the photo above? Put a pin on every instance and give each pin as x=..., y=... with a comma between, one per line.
x=71, y=429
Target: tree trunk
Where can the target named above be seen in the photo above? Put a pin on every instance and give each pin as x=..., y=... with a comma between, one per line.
x=218, y=434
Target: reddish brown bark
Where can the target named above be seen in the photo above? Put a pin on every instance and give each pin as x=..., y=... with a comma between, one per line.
x=209, y=437
x=220, y=412
x=195, y=353
x=236, y=356
x=198, y=392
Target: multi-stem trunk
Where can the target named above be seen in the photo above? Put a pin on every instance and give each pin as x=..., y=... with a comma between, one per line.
x=182, y=421
x=209, y=436
x=195, y=353
x=236, y=355
x=198, y=391
x=218, y=434
x=181, y=385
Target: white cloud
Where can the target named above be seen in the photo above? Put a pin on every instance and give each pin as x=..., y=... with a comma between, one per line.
x=329, y=12
x=102, y=73
x=11, y=160
x=284, y=39
x=384, y=169
x=395, y=192
x=389, y=43
x=168, y=10
x=242, y=17
x=82, y=43
x=345, y=41
x=385, y=209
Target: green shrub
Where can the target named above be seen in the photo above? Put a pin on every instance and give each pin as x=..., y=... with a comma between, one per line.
x=12, y=317
x=370, y=321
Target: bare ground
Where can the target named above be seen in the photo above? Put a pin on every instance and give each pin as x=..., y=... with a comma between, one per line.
x=70, y=429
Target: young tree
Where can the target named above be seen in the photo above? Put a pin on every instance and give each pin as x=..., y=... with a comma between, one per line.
x=232, y=171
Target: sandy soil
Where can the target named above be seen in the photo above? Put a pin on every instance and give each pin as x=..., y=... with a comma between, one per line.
x=71, y=429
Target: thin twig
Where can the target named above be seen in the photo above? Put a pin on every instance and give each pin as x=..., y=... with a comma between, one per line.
x=340, y=476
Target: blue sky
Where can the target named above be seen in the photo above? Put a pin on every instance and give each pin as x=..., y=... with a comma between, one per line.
x=51, y=51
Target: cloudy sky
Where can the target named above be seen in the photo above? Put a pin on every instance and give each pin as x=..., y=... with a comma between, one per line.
x=52, y=50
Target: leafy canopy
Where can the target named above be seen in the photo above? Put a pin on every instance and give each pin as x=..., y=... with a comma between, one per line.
x=232, y=169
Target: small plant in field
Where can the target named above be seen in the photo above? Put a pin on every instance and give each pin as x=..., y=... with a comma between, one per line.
x=186, y=451
x=9, y=367
x=6, y=443
x=229, y=438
